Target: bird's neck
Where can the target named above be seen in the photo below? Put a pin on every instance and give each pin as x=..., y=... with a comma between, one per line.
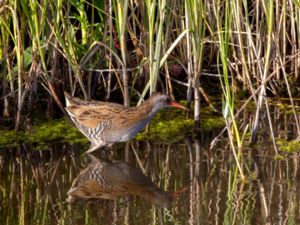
x=149, y=108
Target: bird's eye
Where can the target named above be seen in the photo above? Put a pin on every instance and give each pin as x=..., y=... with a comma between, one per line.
x=168, y=100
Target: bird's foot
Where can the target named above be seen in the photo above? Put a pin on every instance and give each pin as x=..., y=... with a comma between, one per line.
x=92, y=148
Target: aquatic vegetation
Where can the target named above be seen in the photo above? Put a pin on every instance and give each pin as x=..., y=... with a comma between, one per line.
x=169, y=125
x=279, y=157
x=43, y=132
x=237, y=56
x=288, y=146
x=168, y=130
x=9, y=138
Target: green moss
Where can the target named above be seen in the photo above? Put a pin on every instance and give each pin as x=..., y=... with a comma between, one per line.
x=43, y=133
x=172, y=126
x=286, y=108
x=288, y=146
x=278, y=157
x=169, y=125
x=9, y=138
x=167, y=130
x=212, y=123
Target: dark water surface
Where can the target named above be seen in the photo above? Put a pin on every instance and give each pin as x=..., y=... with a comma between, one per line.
x=185, y=183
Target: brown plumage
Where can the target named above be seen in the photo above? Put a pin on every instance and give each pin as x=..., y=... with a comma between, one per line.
x=105, y=179
x=104, y=123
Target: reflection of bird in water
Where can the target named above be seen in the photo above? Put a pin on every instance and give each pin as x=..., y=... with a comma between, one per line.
x=105, y=123
x=104, y=179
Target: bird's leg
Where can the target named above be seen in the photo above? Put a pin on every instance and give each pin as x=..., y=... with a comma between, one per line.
x=105, y=152
x=108, y=151
x=92, y=148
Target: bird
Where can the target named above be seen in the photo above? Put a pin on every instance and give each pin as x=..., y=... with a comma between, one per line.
x=112, y=179
x=105, y=123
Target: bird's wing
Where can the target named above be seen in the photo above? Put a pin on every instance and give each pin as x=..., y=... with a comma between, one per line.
x=92, y=115
x=126, y=174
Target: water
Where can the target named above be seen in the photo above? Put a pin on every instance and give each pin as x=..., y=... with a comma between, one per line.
x=201, y=182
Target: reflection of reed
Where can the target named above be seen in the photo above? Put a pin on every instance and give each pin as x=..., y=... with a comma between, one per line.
x=105, y=179
x=28, y=179
x=36, y=182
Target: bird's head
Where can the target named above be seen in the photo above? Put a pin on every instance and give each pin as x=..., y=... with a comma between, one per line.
x=160, y=101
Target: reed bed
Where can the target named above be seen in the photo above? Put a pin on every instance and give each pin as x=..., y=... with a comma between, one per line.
x=188, y=49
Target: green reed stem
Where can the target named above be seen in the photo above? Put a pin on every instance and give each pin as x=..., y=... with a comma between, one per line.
x=65, y=33
x=228, y=107
x=268, y=9
x=121, y=12
x=18, y=46
x=154, y=52
x=196, y=24
x=158, y=46
x=83, y=22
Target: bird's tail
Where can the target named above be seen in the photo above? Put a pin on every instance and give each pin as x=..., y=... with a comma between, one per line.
x=69, y=99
